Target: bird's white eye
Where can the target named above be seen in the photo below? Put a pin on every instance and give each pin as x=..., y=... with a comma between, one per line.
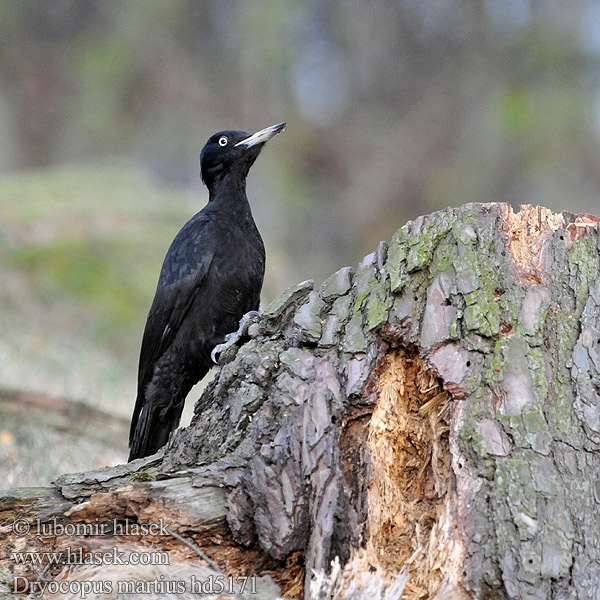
x=223, y=141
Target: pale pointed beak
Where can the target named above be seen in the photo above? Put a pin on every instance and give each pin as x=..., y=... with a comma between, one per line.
x=262, y=136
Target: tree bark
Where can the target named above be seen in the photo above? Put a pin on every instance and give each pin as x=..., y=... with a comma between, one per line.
x=424, y=426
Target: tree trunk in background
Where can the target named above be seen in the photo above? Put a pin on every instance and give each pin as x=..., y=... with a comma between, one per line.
x=425, y=426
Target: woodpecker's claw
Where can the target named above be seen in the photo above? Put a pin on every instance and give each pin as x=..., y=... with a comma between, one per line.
x=233, y=338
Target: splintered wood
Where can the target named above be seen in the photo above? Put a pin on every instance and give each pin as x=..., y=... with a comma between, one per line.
x=408, y=442
x=528, y=231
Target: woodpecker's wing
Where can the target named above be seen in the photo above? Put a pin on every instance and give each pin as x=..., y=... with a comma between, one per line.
x=182, y=275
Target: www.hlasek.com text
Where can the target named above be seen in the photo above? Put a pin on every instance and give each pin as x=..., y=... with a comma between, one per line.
x=75, y=556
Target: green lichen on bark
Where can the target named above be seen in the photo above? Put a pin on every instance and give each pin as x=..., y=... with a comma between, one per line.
x=377, y=306
x=482, y=310
x=395, y=267
x=424, y=237
x=582, y=259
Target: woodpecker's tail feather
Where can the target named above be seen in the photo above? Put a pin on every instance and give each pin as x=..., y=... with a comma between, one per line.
x=152, y=429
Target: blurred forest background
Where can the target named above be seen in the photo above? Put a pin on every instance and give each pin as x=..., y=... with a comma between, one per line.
x=395, y=108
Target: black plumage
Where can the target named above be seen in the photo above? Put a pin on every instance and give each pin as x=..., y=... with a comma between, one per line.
x=211, y=276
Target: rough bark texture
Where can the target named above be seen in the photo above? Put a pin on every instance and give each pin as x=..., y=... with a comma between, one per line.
x=424, y=426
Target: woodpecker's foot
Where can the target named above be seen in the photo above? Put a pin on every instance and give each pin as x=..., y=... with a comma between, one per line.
x=233, y=338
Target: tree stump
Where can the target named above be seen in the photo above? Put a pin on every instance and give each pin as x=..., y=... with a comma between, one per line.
x=426, y=425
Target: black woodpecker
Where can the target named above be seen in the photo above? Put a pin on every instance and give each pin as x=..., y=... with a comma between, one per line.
x=211, y=277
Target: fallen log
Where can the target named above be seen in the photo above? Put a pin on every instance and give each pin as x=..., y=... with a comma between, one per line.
x=426, y=425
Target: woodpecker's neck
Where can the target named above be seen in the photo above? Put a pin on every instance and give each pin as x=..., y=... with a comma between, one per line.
x=229, y=194
x=231, y=186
